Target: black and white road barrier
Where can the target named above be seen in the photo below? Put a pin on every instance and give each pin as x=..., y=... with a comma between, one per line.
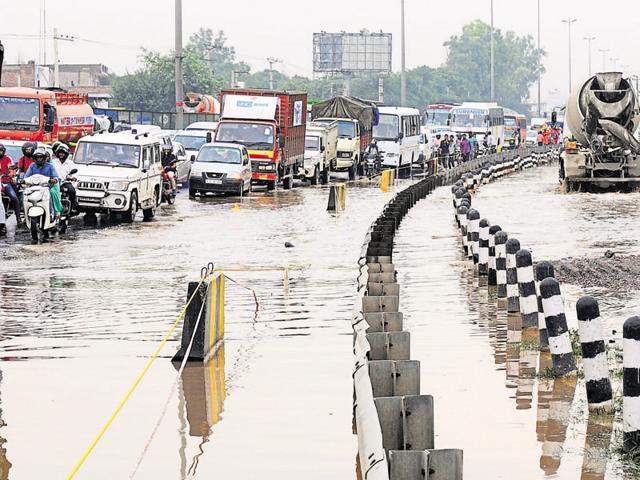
x=594, y=355
x=462, y=221
x=501, y=239
x=492, y=255
x=513, y=304
x=543, y=270
x=564, y=361
x=483, y=254
x=631, y=384
x=473, y=235
x=527, y=289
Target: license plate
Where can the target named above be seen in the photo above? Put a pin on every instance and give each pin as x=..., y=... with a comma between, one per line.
x=213, y=182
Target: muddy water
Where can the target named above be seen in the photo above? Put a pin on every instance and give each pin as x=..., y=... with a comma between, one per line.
x=81, y=317
x=482, y=372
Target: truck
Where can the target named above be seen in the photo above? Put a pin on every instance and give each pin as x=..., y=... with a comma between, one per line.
x=40, y=115
x=272, y=125
x=601, y=119
x=320, y=151
x=356, y=119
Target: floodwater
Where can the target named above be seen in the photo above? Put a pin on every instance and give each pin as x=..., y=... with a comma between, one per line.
x=81, y=317
x=482, y=373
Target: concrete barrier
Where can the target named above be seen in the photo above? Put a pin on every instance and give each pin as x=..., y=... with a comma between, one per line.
x=337, y=197
x=205, y=316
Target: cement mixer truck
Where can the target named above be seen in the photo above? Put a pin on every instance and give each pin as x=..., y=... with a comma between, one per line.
x=600, y=149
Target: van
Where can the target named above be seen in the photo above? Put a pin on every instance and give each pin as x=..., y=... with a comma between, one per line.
x=221, y=168
x=119, y=173
x=320, y=151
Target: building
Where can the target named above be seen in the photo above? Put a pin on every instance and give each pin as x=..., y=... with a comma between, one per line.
x=87, y=79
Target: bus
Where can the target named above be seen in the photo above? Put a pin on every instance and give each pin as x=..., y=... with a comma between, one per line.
x=398, y=136
x=479, y=118
x=437, y=114
x=515, y=128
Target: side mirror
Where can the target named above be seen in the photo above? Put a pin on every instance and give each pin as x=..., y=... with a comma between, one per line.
x=193, y=158
x=246, y=161
x=209, y=137
x=73, y=171
x=281, y=141
x=322, y=148
x=400, y=136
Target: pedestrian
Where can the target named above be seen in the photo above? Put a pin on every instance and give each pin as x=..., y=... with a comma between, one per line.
x=474, y=144
x=540, y=138
x=499, y=147
x=453, y=147
x=465, y=148
x=444, y=151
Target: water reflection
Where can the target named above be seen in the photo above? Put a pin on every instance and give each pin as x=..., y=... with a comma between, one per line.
x=557, y=422
x=596, y=447
x=203, y=393
x=5, y=464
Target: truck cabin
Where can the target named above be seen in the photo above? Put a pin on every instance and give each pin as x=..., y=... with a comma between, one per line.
x=313, y=143
x=346, y=128
x=27, y=113
x=256, y=136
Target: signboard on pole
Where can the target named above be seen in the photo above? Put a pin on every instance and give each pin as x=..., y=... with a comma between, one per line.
x=351, y=53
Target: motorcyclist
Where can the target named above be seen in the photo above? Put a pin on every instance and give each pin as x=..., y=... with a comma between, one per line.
x=63, y=165
x=55, y=145
x=42, y=167
x=26, y=160
x=373, y=153
x=169, y=164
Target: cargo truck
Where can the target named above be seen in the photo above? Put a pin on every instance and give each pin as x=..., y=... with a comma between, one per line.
x=320, y=150
x=40, y=115
x=271, y=124
x=356, y=119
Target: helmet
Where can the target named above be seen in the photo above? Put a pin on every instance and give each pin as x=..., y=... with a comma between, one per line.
x=62, y=152
x=3, y=149
x=55, y=146
x=40, y=155
x=28, y=149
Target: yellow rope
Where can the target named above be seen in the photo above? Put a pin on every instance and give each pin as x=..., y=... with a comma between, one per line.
x=135, y=384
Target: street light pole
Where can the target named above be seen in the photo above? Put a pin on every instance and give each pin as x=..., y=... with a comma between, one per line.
x=539, y=73
x=604, y=58
x=403, y=71
x=493, y=60
x=615, y=63
x=569, y=21
x=589, y=40
x=178, y=73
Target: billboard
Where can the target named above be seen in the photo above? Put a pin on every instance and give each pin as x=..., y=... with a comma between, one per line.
x=362, y=52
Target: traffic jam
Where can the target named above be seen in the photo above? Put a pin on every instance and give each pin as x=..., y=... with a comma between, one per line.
x=263, y=140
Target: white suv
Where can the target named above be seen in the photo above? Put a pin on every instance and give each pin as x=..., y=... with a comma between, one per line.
x=119, y=172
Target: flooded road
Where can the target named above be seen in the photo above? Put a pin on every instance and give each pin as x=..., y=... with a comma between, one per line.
x=81, y=317
x=482, y=373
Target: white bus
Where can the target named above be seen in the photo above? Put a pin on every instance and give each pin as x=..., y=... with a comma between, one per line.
x=479, y=118
x=398, y=136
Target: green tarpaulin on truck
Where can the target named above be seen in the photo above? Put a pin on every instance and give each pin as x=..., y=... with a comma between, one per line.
x=347, y=107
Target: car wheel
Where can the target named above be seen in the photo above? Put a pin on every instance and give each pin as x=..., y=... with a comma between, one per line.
x=132, y=212
x=149, y=213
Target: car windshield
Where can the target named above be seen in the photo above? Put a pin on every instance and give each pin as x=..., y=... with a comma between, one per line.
x=190, y=142
x=14, y=152
x=387, y=128
x=312, y=143
x=468, y=118
x=109, y=154
x=254, y=136
x=19, y=113
x=219, y=155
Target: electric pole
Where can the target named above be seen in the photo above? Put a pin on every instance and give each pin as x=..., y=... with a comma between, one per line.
x=178, y=73
x=272, y=61
x=403, y=67
x=589, y=39
x=493, y=60
x=569, y=21
x=539, y=73
x=56, y=58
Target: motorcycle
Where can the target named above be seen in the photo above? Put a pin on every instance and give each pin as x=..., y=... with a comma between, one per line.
x=37, y=208
x=168, y=196
x=67, y=208
x=373, y=164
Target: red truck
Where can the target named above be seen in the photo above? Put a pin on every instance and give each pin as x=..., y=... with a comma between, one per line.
x=272, y=125
x=40, y=115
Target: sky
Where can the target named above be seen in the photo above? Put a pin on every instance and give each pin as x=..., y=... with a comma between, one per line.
x=283, y=29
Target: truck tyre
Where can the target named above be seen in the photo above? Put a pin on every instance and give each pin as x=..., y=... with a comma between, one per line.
x=271, y=185
x=132, y=212
x=287, y=182
x=352, y=172
x=325, y=176
x=316, y=176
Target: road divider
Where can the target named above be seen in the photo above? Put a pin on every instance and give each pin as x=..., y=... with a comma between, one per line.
x=337, y=197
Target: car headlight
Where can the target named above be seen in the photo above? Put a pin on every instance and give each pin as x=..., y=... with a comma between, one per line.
x=119, y=185
x=234, y=176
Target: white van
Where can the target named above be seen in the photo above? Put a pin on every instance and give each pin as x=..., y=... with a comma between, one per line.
x=398, y=136
x=320, y=151
x=119, y=172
